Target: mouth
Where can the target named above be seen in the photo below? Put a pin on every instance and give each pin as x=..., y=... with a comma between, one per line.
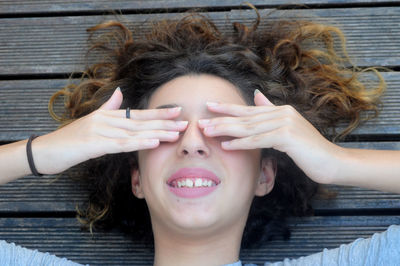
x=193, y=182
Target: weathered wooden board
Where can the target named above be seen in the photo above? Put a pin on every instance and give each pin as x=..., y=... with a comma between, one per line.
x=56, y=45
x=62, y=237
x=8, y=7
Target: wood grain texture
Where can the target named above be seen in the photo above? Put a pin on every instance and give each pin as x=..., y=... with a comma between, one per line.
x=57, y=44
x=54, y=6
x=62, y=237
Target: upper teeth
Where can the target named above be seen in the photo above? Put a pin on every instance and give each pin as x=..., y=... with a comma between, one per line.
x=198, y=182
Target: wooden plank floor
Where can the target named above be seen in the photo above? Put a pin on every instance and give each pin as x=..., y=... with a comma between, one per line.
x=56, y=43
x=11, y=7
x=42, y=42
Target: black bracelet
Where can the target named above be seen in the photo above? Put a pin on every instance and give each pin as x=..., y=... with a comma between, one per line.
x=29, y=154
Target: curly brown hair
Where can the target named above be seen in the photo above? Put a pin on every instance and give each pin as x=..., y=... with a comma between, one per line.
x=293, y=63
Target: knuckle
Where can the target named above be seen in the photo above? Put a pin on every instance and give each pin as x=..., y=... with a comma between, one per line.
x=129, y=134
x=120, y=143
x=216, y=121
x=287, y=120
x=95, y=115
x=289, y=110
x=248, y=110
x=245, y=119
x=219, y=128
x=98, y=112
x=125, y=144
x=137, y=124
x=91, y=129
x=129, y=145
x=257, y=138
x=250, y=127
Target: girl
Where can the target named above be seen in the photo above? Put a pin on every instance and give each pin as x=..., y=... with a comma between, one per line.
x=219, y=137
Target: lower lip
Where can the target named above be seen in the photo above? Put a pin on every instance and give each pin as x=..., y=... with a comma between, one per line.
x=195, y=192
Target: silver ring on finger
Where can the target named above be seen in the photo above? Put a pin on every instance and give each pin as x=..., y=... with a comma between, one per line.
x=128, y=113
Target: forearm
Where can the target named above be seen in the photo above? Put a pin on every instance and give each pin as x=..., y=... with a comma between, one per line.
x=372, y=169
x=13, y=161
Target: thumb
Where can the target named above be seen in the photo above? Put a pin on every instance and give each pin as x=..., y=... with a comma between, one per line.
x=260, y=99
x=114, y=102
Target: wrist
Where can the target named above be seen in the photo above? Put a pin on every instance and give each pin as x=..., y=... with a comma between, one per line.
x=29, y=155
x=345, y=161
x=38, y=154
x=52, y=155
x=333, y=164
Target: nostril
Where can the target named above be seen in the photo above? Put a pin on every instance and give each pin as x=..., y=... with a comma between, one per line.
x=200, y=152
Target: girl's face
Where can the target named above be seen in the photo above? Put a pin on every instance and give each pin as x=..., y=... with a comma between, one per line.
x=167, y=176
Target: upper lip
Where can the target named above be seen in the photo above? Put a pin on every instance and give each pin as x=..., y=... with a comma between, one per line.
x=192, y=173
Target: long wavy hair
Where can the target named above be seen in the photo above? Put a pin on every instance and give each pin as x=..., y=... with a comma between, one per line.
x=298, y=63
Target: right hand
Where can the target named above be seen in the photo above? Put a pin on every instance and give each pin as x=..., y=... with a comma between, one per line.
x=104, y=131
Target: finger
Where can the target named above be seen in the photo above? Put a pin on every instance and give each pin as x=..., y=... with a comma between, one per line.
x=240, y=130
x=148, y=114
x=240, y=119
x=261, y=141
x=117, y=133
x=140, y=125
x=130, y=144
x=139, y=144
x=260, y=99
x=237, y=109
x=114, y=102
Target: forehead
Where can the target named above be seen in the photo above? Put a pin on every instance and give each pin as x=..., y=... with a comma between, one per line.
x=195, y=90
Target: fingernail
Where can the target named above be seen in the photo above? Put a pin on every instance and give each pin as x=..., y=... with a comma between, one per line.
x=175, y=109
x=204, y=121
x=256, y=91
x=181, y=123
x=211, y=103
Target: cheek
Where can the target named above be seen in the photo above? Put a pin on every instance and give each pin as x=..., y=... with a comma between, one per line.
x=151, y=164
x=243, y=167
x=152, y=159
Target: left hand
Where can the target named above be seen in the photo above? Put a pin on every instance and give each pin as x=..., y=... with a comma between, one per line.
x=279, y=127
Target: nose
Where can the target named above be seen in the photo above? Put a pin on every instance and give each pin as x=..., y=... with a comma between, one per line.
x=193, y=142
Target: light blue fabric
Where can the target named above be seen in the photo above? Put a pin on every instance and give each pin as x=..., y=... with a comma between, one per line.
x=12, y=255
x=382, y=249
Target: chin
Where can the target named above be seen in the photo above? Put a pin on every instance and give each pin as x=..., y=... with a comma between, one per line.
x=193, y=220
